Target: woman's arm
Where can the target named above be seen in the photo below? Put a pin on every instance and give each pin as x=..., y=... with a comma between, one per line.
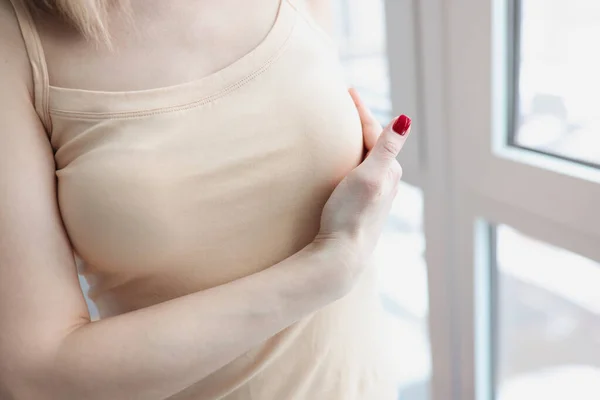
x=49, y=349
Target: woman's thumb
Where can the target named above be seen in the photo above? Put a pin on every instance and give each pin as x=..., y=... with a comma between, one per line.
x=390, y=141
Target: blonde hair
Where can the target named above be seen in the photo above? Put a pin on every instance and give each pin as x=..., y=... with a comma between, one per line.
x=90, y=17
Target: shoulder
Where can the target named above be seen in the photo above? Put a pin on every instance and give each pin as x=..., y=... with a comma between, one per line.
x=321, y=11
x=15, y=70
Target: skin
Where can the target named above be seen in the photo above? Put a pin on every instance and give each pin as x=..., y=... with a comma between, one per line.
x=49, y=348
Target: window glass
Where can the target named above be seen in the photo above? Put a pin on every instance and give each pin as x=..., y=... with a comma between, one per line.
x=548, y=321
x=558, y=81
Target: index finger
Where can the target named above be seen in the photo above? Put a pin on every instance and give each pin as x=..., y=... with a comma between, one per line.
x=370, y=126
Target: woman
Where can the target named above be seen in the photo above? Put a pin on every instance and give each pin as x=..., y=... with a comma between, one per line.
x=185, y=158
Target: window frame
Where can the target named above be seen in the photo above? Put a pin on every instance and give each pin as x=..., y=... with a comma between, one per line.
x=513, y=68
x=403, y=55
x=473, y=179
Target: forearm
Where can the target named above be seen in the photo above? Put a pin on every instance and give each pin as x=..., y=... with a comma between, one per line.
x=155, y=352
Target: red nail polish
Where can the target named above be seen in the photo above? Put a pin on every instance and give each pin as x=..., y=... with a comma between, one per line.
x=401, y=125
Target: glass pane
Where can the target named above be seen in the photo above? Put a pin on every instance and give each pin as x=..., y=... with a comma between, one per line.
x=403, y=281
x=360, y=33
x=558, y=78
x=548, y=321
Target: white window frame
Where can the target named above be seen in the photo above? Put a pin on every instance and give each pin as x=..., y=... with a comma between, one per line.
x=403, y=66
x=415, y=55
x=457, y=87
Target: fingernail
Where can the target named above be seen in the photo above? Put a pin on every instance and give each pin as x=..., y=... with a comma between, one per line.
x=401, y=125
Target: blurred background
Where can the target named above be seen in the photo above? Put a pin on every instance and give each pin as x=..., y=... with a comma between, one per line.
x=527, y=325
x=545, y=329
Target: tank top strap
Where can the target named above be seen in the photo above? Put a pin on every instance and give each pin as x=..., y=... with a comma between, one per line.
x=37, y=59
x=302, y=8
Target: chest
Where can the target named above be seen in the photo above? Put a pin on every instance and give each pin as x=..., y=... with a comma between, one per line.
x=214, y=179
x=157, y=44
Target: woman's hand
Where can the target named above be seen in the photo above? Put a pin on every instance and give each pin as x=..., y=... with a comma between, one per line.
x=371, y=128
x=356, y=211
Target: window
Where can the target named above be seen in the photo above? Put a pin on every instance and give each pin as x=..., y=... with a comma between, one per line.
x=557, y=78
x=399, y=256
x=548, y=322
x=361, y=34
x=512, y=83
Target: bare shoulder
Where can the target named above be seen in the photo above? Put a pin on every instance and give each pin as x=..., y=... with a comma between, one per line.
x=15, y=71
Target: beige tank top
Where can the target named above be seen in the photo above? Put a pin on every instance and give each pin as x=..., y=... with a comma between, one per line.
x=168, y=191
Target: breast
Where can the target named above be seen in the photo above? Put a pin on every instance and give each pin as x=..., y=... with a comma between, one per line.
x=165, y=203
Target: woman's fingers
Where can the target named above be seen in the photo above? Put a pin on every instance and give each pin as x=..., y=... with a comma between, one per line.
x=390, y=143
x=382, y=145
x=370, y=126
